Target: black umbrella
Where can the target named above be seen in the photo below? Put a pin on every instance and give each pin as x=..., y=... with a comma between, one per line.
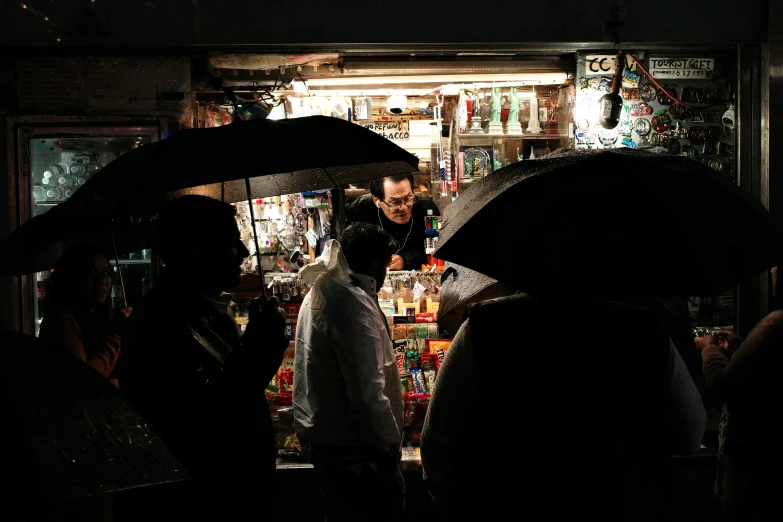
x=276, y=156
x=615, y=221
x=38, y=243
x=461, y=286
x=68, y=432
x=242, y=160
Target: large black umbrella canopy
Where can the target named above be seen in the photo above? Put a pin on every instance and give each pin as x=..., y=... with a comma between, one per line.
x=38, y=243
x=278, y=157
x=73, y=433
x=461, y=286
x=614, y=221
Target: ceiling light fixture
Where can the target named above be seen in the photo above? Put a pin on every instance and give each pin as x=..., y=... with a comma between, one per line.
x=536, y=79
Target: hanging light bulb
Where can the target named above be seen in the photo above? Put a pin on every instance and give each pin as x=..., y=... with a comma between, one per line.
x=611, y=104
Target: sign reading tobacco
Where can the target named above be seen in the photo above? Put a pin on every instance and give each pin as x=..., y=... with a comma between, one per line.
x=391, y=130
x=682, y=68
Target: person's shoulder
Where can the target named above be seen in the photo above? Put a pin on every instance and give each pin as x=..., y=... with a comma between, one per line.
x=515, y=303
x=360, y=209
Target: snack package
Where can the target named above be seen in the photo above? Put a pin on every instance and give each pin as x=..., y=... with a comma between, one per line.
x=428, y=361
x=432, y=331
x=399, y=332
x=291, y=311
x=419, y=385
x=429, y=379
x=436, y=345
x=421, y=330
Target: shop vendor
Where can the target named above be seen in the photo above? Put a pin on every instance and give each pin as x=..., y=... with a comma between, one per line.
x=393, y=204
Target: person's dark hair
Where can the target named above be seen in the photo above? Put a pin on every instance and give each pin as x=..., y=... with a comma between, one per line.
x=66, y=285
x=363, y=243
x=187, y=218
x=376, y=185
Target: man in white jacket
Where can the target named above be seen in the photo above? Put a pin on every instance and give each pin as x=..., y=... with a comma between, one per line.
x=347, y=395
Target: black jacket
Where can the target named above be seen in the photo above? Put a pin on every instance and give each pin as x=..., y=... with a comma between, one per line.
x=413, y=245
x=189, y=373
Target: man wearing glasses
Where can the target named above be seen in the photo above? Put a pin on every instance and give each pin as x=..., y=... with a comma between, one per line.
x=392, y=204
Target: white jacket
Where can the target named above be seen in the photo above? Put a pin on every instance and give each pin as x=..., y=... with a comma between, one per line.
x=347, y=394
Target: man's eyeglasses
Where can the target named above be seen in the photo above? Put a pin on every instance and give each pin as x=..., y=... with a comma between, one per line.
x=398, y=203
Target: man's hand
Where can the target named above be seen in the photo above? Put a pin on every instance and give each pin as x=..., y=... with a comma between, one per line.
x=726, y=341
x=266, y=320
x=704, y=341
x=397, y=263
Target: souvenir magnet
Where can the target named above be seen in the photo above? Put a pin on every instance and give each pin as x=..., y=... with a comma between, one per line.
x=675, y=110
x=661, y=122
x=607, y=137
x=630, y=78
x=647, y=93
x=696, y=135
x=642, y=126
x=630, y=94
x=641, y=109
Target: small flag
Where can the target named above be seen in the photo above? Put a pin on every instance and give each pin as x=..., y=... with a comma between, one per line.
x=444, y=185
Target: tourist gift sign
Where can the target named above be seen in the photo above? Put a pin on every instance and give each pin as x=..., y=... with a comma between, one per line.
x=682, y=68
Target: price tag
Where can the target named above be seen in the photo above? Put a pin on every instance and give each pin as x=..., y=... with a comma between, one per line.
x=418, y=289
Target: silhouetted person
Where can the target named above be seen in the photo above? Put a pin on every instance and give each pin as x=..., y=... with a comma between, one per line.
x=571, y=407
x=745, y=375
x=198, y=381
x=78, y=318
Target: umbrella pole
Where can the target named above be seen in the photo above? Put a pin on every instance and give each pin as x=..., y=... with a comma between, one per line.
x=255, y=237
x=119, y=270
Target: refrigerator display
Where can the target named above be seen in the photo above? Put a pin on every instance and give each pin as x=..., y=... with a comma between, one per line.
x=53, y=162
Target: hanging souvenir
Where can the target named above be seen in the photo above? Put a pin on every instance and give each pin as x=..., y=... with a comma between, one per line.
x=692, y=95
x=692, y=115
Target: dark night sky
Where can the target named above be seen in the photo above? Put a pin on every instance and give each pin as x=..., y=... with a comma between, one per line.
x=250, y=22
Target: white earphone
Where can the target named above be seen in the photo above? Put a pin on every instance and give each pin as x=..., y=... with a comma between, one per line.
x=377, y=203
